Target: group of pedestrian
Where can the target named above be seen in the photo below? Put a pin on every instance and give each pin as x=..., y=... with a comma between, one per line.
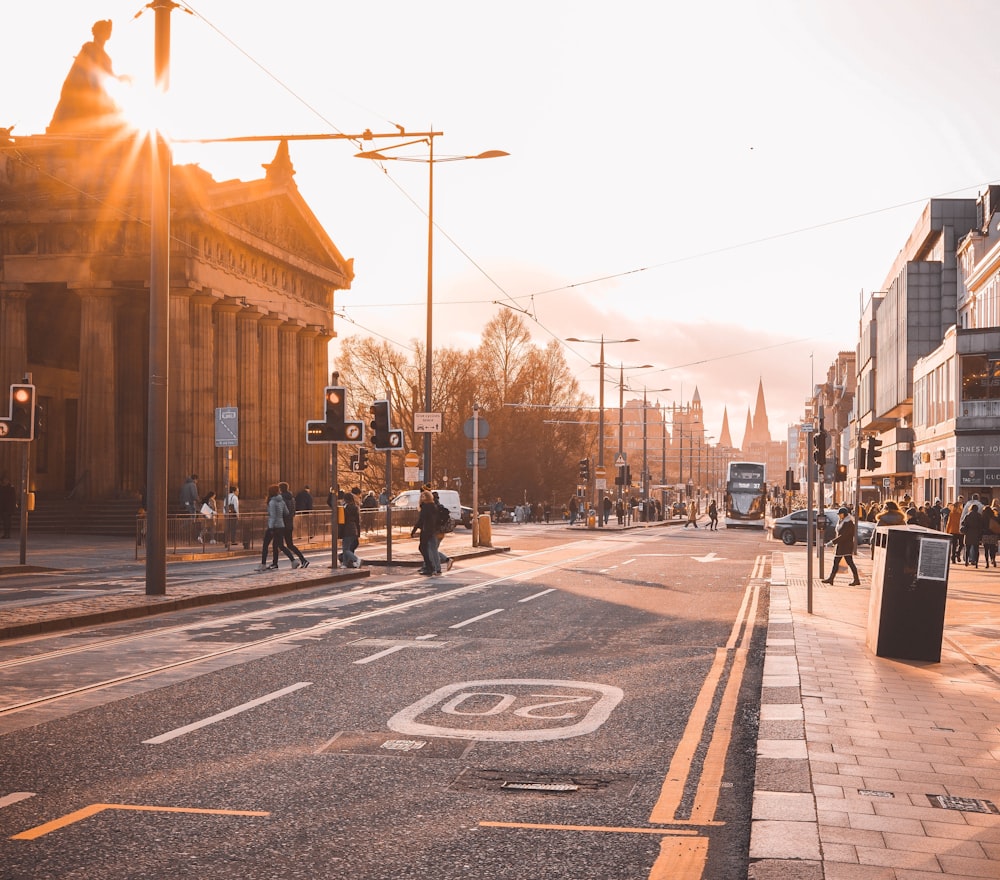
x=280, y=526
x=433, y=522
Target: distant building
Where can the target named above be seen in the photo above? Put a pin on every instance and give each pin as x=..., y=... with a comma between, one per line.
x=252, y=282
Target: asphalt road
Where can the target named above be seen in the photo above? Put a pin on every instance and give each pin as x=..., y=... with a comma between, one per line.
x=582, y=707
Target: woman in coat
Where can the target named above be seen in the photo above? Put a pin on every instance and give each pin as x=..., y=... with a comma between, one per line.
x=275, y=534
x=352, y=530
x=844, y=543
x=427, y=526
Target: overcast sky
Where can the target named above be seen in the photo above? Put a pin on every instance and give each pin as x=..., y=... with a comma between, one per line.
x=723, y=180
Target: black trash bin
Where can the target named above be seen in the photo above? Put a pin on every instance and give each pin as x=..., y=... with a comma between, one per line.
x=909, y=588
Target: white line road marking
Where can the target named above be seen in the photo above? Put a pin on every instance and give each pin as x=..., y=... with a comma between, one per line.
x=393, y=645
x=14, y=797
x=543, y=593
x=711, y=557
x=477, y=618
x=180, y=731
x=428, y=636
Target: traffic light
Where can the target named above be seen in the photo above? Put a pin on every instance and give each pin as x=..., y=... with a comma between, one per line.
x=385, y=437
x=840, y=475
x=20, y=425
x=362, y=458
x=819, y=447
x=334, y=428
x=584, y=470
x=789, y=480
x=874, y=454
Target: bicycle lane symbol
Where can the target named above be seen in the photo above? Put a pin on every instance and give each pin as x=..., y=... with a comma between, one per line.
x=518, y=709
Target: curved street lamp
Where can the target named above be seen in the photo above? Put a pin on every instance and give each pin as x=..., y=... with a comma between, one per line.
x=430, y=161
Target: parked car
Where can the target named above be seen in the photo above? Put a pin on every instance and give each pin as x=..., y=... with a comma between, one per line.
x=679, y=508
x=865, y=532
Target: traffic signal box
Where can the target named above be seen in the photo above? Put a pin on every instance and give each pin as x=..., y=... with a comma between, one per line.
x=334, y=428
x=20, y=424
x=584, y=470
x=874, y=457
x=819, y=448
x=840, y=474
x=386, y=437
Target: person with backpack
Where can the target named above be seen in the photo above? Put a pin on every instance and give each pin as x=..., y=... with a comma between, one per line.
x=289, y=500
x=445, y=524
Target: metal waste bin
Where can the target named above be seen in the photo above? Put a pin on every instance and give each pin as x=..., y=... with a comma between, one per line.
x=909, y=588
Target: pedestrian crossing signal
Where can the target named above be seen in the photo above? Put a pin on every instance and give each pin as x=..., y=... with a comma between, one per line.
x=20, y=424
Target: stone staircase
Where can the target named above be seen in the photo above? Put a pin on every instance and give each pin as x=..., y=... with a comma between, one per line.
x=56, y=513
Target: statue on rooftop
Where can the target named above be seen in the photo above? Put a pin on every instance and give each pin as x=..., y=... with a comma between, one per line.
x=85, y=104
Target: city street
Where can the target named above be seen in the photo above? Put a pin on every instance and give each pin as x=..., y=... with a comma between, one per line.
x=583, y=706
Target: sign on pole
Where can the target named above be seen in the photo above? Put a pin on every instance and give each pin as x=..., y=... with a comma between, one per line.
x=227, y=426
x=427, y=423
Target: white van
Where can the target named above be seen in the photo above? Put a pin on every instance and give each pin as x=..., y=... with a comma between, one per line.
x=410, y=500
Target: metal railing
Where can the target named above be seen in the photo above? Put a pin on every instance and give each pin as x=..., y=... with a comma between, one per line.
x=193, y=533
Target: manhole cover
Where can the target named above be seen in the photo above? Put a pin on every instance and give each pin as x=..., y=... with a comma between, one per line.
x=360, y=742
x=538, y=782
x=964, y=804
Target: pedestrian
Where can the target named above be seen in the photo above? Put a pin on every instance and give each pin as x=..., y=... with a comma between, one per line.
x=445, y=525
x=290, y=523
x=934, y=515
x=231, y=508
x=692, y=519
x=427, y=524
x=991, y=532
x=620, y=511
x=352, y=530
x=303, y=500
x=606, y=505
x=890, y=515
x=844, y=542
x=713, y=516
x=207, y=509
x=8, y=506
x=972, y=528
x=953, y=528
x=574, y=508
x=189, y=495
x=369, y=511
x=274, y=537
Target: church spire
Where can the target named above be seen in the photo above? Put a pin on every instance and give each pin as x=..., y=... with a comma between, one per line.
x=748, y=437
x=761, y=429
x=725, y=440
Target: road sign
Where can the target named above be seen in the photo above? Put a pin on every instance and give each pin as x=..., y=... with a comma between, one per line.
x=427, y=423
x=886, y=482
x=470, y=458
x=227, y=426
x=620, y=459
x=600, y=472
x=470, y=428
x=412, y=460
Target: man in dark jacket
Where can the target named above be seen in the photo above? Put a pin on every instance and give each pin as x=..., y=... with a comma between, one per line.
x=290, y=523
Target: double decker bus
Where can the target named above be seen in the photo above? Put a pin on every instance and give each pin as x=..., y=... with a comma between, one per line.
x=746, y=494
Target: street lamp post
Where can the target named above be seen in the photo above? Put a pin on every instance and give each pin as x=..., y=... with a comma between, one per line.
x=645, y=459
x=621, y=413
x=430, y=161
x=600, y=414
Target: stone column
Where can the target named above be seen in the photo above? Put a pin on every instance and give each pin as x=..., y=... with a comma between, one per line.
x=203, y=391
x=13, y=363
x=270, y=410
x=97, y=446
x=292, y=440
x=133, y=390
x=226, y=393
x=251, y=478
x=180, y=419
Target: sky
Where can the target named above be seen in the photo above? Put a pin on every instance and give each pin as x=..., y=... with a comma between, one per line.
x=726, y=182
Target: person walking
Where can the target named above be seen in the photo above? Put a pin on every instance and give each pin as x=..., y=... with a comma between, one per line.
x=953, y=528
x=445, y=525
x=207, y=509
x=231, y=508
x=692, y=519
x=275, y=535
x=426, y=524
x=8, y=505
x=713, y=516
x=573, y=509
x=189, y=495
x=290, y=523
x=991, y=532
x=352, y=531
x=844, y=542
x=973, y=527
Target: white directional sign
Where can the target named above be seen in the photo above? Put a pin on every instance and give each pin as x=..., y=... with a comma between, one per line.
x=427, y=423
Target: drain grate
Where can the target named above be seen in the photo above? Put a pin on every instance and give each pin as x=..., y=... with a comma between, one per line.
x=964, y=804
x=535, y=782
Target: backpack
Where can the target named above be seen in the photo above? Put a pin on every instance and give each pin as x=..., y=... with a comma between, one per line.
x=444, y=520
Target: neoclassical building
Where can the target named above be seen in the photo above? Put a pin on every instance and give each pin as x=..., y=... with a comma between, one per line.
x=252, y=282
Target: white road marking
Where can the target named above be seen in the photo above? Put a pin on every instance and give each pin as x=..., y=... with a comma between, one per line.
x=180, y=731
x=477, y=618
x=543, y=593
x=393, y=645
x=15, y=797
x=711, y=557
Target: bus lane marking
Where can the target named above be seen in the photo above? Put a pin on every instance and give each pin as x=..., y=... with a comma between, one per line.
x=236, y=710
x=476, y=618
x=546, y=705
x=94, y=809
